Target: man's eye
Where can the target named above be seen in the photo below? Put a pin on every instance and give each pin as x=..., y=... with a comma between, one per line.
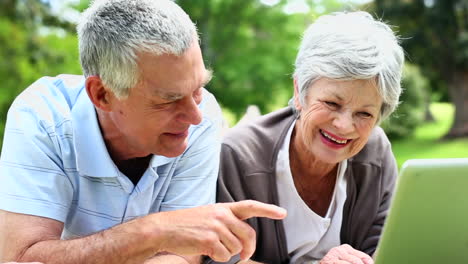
x=162, y=105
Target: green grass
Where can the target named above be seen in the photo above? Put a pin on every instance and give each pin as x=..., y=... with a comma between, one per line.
x=426, y=143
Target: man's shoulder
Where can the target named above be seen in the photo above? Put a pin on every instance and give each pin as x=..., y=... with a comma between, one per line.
x=210, y=107
x=50, y=98
x=63, y=88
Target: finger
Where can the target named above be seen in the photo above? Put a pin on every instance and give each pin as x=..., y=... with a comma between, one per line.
x=247, y=237
x=230, y=241
x=334, y=262
x=342, y=253
x=366, y=259
x=235, y=234
x=351, y=259
x=249, y=208
x=369, y=260
x=219, y=252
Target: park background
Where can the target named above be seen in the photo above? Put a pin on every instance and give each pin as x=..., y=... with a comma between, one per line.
x=251, y=47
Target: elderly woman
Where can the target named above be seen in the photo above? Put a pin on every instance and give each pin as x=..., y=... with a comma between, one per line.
x=324, y=158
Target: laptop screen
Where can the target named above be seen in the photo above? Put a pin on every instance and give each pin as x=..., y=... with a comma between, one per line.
x=428, y=218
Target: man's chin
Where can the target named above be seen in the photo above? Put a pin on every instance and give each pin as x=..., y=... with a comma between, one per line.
x=173, y=151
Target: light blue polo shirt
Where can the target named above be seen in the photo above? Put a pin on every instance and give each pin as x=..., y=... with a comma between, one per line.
x=54, y=163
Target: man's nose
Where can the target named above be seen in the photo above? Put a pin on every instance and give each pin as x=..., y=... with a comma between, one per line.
x=190, y=113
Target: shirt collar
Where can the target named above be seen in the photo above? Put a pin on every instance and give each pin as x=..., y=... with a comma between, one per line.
x=92, y=157
x=158, y=160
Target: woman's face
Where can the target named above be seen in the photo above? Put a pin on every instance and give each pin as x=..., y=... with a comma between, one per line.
x=336, y=119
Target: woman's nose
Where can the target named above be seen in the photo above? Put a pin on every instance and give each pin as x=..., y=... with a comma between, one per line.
x=344, y=123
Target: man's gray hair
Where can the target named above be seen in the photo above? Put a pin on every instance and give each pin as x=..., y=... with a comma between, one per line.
x=351, y=46
x=112, y=32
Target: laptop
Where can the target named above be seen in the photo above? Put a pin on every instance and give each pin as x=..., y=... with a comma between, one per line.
x=428, y=218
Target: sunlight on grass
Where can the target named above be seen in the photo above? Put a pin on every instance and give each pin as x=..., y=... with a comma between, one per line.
x=426, y=143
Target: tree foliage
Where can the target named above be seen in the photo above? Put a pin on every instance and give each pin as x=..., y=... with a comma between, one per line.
x=435, y=36
x=410, y=114
x=251, y=47
x=26, y=53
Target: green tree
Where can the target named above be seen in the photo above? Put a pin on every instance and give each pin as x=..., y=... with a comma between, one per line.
x=435, y=36
x=251, y=47
x=410, y=114
x=28, y=54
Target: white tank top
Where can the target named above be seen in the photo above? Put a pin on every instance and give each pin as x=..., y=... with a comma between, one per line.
x=309, y=236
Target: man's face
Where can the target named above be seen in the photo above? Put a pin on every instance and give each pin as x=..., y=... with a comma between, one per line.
x=156, y=116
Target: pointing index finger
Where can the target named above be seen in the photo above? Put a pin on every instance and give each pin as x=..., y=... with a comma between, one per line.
x=249, y=208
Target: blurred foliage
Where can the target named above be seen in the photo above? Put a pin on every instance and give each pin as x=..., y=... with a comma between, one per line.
x=425, y=143
x=435, y=36
x=28, y=54
x=410, y=114
x=251, y=47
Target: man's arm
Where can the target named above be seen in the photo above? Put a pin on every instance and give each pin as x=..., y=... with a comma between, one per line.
x=33, y=238
x=217, y=231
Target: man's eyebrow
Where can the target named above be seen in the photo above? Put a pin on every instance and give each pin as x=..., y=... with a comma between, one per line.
x=171, y=96
x=208, y=77
x=176, y=96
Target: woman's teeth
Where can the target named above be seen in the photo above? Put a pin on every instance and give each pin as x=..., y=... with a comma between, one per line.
x=333, y=139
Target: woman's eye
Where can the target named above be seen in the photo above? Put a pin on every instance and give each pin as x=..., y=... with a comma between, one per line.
x=332, y=104
x=365, y=114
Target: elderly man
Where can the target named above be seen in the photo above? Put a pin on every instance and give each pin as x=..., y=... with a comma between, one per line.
x=95, y=169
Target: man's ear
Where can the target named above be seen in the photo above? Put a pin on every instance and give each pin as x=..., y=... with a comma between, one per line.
x=297, y=102
x=99, y=95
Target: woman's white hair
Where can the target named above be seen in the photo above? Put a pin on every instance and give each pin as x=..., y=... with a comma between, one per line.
x=112, y=32
x=351, y=46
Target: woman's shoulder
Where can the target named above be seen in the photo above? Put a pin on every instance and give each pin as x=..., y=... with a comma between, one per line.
x=376, y=148
x=263, y=131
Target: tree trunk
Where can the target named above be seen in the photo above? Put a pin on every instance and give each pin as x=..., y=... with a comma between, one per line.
x=459, y=94
x=428, y=116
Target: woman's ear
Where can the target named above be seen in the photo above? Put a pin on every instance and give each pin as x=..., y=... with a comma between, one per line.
x=99, y=95
x=297, y=101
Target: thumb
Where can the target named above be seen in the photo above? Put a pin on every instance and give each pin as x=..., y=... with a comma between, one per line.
x=250, y=208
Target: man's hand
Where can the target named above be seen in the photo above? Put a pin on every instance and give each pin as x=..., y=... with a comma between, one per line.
x=217, y=230
x=164, y=258
x=345, y=254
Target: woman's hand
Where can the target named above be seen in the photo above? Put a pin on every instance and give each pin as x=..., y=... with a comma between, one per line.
x=345, y=254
